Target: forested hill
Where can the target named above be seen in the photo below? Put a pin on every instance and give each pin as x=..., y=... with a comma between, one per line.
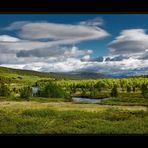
x=78, y=75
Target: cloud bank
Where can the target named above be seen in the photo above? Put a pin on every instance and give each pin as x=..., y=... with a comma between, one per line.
x=129, y=42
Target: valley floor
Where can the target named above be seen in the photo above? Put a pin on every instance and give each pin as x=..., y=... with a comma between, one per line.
x=32, y=117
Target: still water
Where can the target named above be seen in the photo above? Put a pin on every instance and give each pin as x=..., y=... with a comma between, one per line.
x=82, y=99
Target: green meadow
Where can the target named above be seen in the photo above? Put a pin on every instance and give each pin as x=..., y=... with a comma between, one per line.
x=70, y=118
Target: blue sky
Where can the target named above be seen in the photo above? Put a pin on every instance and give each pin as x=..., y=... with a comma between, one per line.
x=122, y=38
x=113, y=23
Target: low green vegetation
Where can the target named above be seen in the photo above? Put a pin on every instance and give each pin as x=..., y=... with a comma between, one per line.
x=4, y=90
x=52, y=118
x=51, y=90
x=26, y=93
x=127, y=99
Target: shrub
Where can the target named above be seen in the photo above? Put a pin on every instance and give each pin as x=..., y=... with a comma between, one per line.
x=67, y=97
x=26, y=92
x=4, y=90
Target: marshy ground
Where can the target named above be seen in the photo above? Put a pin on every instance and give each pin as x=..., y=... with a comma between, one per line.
x=32, y=117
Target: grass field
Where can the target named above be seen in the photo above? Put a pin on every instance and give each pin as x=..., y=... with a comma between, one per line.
x=32, y=117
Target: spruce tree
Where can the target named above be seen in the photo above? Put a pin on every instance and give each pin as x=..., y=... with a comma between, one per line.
x=144, y=90
x=114, y=91
x=128, y=88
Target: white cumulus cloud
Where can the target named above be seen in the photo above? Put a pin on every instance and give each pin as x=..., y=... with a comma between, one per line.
x=131, y=41
x=69, y=33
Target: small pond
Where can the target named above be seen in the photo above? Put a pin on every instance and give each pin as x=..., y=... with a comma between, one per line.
x=91, y=100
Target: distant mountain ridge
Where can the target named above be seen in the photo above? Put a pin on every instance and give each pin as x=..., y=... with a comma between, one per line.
x=79, y=75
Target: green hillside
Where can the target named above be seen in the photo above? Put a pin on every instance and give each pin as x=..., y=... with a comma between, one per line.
x=21, y=77
x=10, y=72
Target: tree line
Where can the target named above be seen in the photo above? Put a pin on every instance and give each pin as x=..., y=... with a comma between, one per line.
x=65, y=89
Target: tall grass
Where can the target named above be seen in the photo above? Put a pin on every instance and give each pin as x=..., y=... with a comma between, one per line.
x=52, y=121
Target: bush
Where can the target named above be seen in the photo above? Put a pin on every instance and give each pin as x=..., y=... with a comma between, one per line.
x=67, y=97
x=26, y=92
x=4, y=90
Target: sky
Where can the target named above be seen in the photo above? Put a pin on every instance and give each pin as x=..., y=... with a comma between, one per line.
x=113, y=44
